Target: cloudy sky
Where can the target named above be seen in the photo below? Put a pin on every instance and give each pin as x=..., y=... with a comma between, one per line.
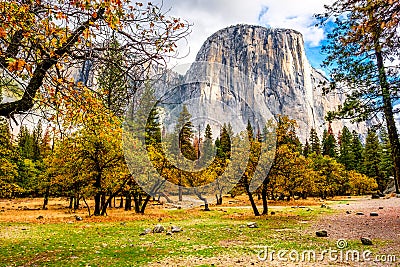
x=209, y=16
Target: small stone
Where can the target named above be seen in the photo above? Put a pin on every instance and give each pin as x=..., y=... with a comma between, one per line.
x=272, y=212
x=176, y=229
x=375, y=196
x=123, y=223
x=366, y=241
x=323, y=206
x=322, y=233
x=146, y=231
x=158, y=228
x=374, y=214
x=169, y=233
x=78, y=218
x=252, y=225
x=302, y=207
x=359, y=213
x=39, y=217
x=348, y=212
x=308, y=209
x=381, y=208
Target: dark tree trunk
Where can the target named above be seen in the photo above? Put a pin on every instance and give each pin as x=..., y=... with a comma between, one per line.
x=264, y=196
x=76, y=201
x=121, y=202
x=253, y=204
x=206, y=207
x=388, y=112
x=46, y=198
x=71, y=202
x=97, y=202
x=128, y=202
x=180, y=193
x=147, y=199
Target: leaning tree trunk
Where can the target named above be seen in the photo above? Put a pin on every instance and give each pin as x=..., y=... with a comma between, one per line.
x=264, y=196
x=388, y=112
x=252, y=202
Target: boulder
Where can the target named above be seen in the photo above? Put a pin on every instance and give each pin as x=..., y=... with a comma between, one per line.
x=252, y=225
x=176, y=229
x=366, y=241
x=158, y=228
x=146, y=231
x=322, y=233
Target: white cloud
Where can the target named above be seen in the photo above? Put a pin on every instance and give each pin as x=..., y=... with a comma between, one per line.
x=209, y=16
x=297, y=15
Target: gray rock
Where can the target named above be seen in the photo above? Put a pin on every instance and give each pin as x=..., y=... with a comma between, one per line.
x=359, y=213
x=374, y=214
x=169, y=233
x=252, y=225
x=324, y=206
x=272, y=212
x=348, y=212
x=158, y=228
x=39, y=217
x=366, y=241
x=176, y=229
x=275, y=60
x=322, y=233
x=146, y=231
x=78, y=218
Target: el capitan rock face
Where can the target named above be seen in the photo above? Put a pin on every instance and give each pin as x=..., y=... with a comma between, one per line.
x=275, y=60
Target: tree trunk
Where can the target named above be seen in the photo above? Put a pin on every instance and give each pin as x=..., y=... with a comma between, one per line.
x=97, y=202
x=264, y=197
x=128, y=202
x=121, y=202
x=147, y=199
x=180, y=193
x=46, y=198
x=71, y=202
x=388, y=112
x=253, y=204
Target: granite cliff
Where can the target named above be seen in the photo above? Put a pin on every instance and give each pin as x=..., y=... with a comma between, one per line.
x=274, y=60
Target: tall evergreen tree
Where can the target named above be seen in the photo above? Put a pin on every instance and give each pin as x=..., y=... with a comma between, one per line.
x=306, y=149
x=185, y=131
x=372, y=158
x=208, y=149
x=346, y=156
x=358, y=152
x=329, y=143
x=314, y=142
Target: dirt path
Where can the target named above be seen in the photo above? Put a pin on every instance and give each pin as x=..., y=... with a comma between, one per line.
x=348, y=225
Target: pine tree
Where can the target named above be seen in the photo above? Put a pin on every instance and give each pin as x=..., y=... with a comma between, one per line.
x=358, y=152
x=306, y=149
x=153, y=129
x=372, y=158
x=185, y=134
x=329, y=143
x=208, y=150
x=346, y=156
x=315, y=146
